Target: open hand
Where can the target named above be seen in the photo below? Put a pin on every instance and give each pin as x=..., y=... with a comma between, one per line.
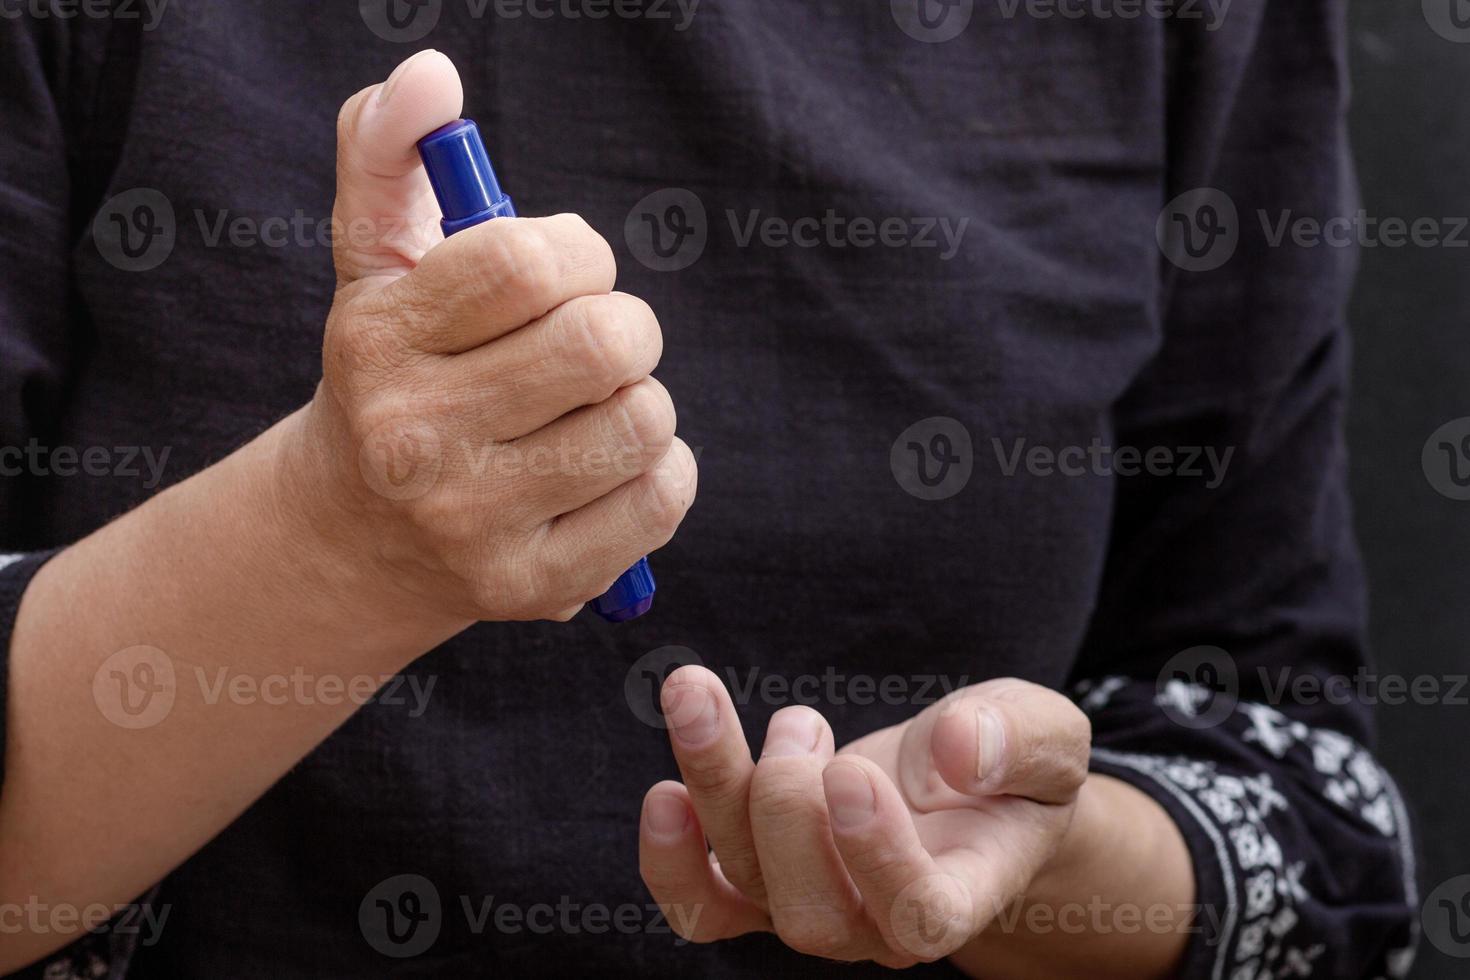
x=901, y=848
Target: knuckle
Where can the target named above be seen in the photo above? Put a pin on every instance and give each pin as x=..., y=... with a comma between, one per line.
x=814, y=930
x=721, y=784
x=667, y=500
x=525, y=263
x=778, y=797
x=516, y=587
x=609, y=343
x=347, y=117
x=643, y=418
x=591, y=249
x=741, y=868
x=875, y=858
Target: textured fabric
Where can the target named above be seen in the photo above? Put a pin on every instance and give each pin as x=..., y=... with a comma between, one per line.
x=1047, y=148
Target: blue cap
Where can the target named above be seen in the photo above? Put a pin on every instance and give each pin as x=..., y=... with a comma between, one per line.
x=630, y=596
x=463, y=180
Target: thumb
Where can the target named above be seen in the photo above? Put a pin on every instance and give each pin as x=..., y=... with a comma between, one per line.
x=1001, y=738
x=385, y=217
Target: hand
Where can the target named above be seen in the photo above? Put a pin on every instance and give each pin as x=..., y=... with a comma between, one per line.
x=486, y=429
x=902, y=848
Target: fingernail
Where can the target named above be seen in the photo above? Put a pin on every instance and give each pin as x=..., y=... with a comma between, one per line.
x=666, y=816
x=792, y=733
x=850, y=797
x=992, y=742
x=692, y=714
x=387, y=90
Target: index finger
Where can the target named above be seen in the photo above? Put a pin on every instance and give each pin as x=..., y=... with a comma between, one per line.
x=714, y=759
x=493, y=278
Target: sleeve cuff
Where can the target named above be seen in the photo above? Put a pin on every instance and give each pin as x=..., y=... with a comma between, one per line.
x=16, y=572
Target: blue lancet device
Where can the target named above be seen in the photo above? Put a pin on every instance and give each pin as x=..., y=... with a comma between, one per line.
x=468, y=193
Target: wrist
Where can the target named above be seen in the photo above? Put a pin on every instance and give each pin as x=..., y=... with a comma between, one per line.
x=325, y=546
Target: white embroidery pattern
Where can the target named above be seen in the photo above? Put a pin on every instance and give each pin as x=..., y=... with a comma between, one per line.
x=7, y=560
x=1264, y=890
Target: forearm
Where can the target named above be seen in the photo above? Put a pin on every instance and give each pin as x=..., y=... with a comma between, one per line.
x=1117, y=901
x=227, y=576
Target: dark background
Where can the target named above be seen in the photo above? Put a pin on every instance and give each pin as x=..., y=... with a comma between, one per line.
x=1411, y=127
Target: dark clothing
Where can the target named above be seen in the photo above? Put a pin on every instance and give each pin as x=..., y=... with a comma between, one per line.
x=812, y=551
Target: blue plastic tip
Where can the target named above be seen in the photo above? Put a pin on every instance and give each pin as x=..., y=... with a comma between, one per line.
x=630, y=596
x=462, y=178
